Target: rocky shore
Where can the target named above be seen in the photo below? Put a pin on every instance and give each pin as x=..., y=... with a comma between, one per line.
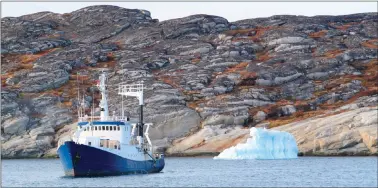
x=209, y=80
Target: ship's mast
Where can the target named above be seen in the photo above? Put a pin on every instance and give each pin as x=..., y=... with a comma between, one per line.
x=103, y=103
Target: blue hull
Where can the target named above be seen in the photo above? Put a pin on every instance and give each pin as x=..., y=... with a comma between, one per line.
x=83, y=160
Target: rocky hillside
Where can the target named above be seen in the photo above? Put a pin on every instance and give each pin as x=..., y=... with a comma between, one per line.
x=207, y=78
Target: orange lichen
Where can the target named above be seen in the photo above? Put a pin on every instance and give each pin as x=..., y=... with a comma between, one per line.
x=240, y=31
x=370, y=91
x=248, y=75
x=194, y=104
x=67, y=104
x=66, y=15
x=29, y=58
x=196, y=60
x=170, y=81
x=79, y=77
x=192, y=92
x=37, y=115
x=236, y=68
x=343, y=26
x=110, y=55
x=262, y=56
x=333, y=53
x=297, y=116
x=119, y=44
x=371, y=44
x=253, y=34
x=318, y=34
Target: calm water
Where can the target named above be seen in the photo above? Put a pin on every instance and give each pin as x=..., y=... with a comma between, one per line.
x=206, y=172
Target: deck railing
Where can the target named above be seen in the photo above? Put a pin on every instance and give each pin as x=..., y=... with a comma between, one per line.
x=108, y=118
x=130, y=88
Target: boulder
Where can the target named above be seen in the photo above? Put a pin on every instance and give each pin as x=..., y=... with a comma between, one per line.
x=16, y=125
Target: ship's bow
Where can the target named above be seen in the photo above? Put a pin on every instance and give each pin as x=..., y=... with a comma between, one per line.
x=66, y=158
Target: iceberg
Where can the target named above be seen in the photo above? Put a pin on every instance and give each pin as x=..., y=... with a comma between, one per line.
x=263, y=144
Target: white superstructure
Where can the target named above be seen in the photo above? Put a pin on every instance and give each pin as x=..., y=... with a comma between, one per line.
x=113, y=133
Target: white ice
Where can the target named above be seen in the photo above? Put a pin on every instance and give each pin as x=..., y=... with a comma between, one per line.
x=263, y=144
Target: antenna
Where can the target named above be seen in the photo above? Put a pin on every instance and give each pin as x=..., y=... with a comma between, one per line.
x=83, y=103
x=92, y=113
x=123, y=112
x=78, y=95
x=123, y=79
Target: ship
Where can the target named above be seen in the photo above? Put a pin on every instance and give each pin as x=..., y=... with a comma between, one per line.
x=110, y=145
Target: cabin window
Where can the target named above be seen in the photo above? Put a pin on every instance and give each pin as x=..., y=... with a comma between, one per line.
x=103, y=128
x=89, y=143
x=118, y=128
x=95, y=128
x=111, y=128
x=119, y=147
x=107, y=128
x=115, y=146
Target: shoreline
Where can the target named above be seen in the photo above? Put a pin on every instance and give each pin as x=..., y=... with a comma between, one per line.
x=209, y=154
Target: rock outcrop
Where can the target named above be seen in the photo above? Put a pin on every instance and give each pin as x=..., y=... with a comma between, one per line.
x=349, y=133
x=206, y=76
x=353, y=132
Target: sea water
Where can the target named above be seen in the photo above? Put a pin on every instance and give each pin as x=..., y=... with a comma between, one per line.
x=207, y=172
